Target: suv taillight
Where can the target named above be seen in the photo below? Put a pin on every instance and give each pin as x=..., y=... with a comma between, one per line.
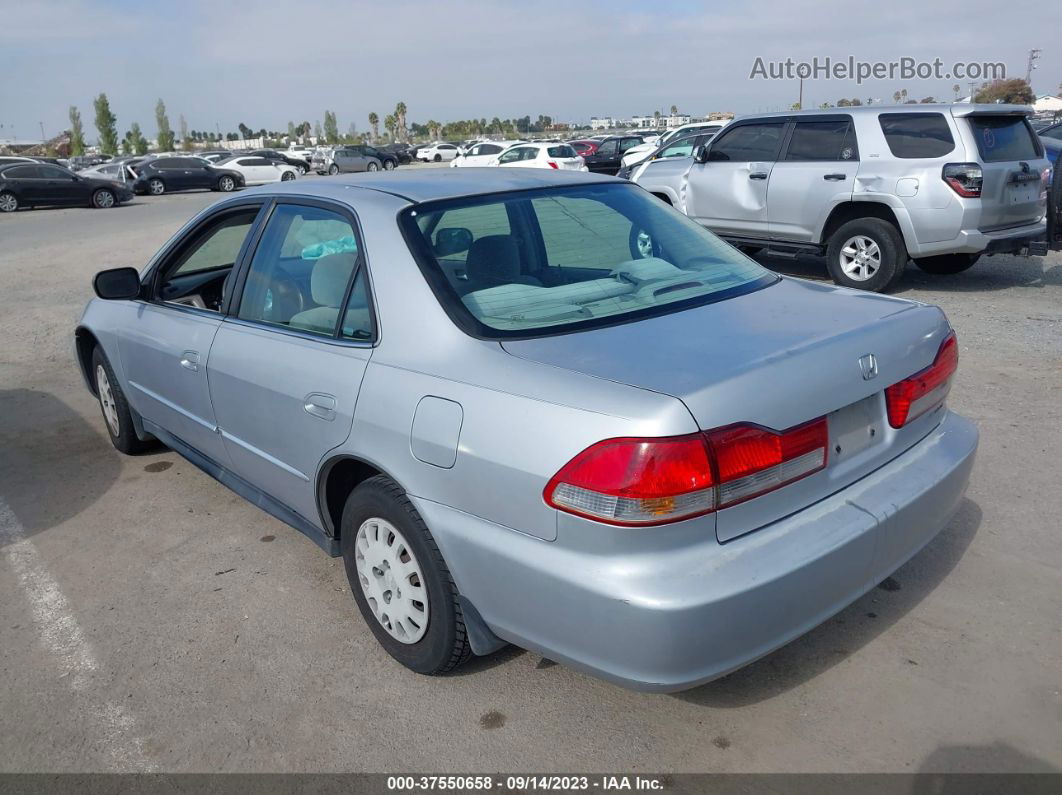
x=925, y=390
x=964, y=178
x=635, y=481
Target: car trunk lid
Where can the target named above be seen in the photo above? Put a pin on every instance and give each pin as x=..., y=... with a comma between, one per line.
x=779, y=357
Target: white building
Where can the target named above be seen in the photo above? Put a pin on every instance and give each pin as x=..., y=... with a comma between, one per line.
x=646, y=121
x=601, y=123
x=677, y=121
x=1048, y=103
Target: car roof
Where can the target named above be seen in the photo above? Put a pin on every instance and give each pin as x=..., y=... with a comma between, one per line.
x=433, y=184
x=956, y=109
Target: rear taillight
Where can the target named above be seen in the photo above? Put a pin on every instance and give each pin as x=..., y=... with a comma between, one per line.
x=658, y=480
x=964, y=178
x=925, y=390
x=552, y=164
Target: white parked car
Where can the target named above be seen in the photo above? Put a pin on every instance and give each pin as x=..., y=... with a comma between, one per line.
x=437, y=153
x=258, y=170
x=480, y=154
x=636, y=154
x=541, y=155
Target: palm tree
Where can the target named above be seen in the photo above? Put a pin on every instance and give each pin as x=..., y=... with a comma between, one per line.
x=955, y=88
x=400, y=119
x=674, y=110
x=389, y=125
x=374, y=122
x=896, y=96
x=903, y=94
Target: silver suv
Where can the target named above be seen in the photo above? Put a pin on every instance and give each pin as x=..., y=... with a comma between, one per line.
x=871, y=187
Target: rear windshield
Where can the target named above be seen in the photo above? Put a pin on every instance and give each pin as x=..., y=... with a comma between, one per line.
x=537, y=262
x=1001, y=138
x=561, y=151
x=914, y=135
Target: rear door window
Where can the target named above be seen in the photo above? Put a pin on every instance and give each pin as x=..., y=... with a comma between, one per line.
x=917, y=135
x=749, y=142
x=822, y=140
x=1003, y=138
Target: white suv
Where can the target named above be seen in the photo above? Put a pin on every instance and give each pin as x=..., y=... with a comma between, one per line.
x=871, y=187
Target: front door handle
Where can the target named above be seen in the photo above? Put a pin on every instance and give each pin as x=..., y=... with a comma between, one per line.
x=190, y=361
x=835, y=177
x=320, y=405
x=758, y=175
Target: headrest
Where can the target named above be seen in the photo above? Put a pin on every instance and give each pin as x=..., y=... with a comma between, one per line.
x=328, y=280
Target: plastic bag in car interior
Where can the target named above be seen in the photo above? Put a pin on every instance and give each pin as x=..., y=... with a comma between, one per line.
x=326, y=247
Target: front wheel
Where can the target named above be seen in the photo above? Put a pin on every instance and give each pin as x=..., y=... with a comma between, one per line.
x=400, y=581
x=287, y=176
x=226, y=184
x=867, y=254
x=302, y=170
x=372, y=167
x=156, y=187
x=947, y=264
x=438, y=158
x=8, y=203
x=104, y=199
x=389, y=165
x=333, y=169
x=116, y=413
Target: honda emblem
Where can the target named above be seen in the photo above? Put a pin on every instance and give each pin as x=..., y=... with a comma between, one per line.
x=868, y=366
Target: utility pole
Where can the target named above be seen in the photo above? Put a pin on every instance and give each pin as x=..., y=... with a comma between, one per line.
x=800, y=99
x=1034, y=56
x=44, y=138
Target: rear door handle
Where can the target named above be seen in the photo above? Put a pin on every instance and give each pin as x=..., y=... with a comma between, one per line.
x=190, y=361
x=758, y=175
x=320, y=405
x=835, y=177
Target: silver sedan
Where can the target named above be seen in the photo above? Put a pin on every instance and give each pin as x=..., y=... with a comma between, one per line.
x=539, y=408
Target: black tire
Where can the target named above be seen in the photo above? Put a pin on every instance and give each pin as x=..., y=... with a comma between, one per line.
x=946, y=264
x=444, y=645
x=124, y=438
x=226, y=184
x=890, y=245
x=104, y=199
x=437, y=158
x=389, y=165
x=333, y=169
x=372, y=167
x=8, y=202
x=287, y=176
x=302, y=170
x=156, y=187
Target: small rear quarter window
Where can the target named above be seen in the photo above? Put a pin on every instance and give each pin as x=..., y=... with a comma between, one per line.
x=915, y=135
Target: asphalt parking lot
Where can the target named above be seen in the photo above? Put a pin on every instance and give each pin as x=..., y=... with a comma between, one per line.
x=150, y=619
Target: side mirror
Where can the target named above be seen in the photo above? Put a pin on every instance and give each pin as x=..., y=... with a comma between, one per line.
x=117, y=284
x=700, y=154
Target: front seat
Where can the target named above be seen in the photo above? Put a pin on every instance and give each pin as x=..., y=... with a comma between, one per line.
x=494, y=260
x=328, y=284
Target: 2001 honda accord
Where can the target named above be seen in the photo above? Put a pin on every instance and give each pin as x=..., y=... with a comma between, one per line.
x=539, y=408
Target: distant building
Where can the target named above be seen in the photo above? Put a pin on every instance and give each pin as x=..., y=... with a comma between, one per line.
x=647, y=121
x=720, y=115
x=601, y=123
x=677, y=120
x=1048, y=103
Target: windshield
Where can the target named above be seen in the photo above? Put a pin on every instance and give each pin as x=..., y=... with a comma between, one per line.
x=553, y=260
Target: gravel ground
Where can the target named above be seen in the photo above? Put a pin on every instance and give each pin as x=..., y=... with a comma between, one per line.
x=151, y=619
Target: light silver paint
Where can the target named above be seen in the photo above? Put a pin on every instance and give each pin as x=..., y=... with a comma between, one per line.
x=748, y=578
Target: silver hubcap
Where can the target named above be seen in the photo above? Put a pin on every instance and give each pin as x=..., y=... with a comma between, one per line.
x=110, y=411
x=860, y=258
x=156, y=186
x=391, y=580
x=644, y=244
x=104, y=199
x=226, y=183
x=288, y=176
x=389, y=166
x=8, y=203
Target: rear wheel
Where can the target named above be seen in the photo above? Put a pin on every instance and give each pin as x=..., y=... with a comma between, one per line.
x=372, y=167
x=867, y=254
x=226, y=184
x=301, y=169
x=116, y=412
x=946, y=264
x=8, y=203
x=437, y=158
x=156, y=187
x=400, y=581
x=287, y=176
x=333, y=169
x=389, y=165
x=103, y=199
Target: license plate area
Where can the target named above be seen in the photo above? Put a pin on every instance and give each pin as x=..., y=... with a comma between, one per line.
x=856, y=428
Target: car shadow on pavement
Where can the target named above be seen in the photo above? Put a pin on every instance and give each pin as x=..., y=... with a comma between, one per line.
x=857, y=625
x=53, y=463
x=999, y=757
x=989, y=274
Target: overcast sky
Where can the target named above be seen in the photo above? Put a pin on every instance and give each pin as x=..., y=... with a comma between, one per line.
x=264, y=63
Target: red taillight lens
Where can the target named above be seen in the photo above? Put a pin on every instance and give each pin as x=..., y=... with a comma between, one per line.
x=653, y=481
x=552, y=164
x=752, y=461
x=636, y=481
x=924, y=390
x=964, y=178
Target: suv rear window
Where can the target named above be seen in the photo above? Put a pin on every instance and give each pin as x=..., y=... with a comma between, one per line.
x=575, y=257
x=1002, y=138
x=914, y=135
x=561, y=151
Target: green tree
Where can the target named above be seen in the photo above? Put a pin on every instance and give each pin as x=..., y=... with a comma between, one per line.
x=317, y=134
x=186, y=142
x=674, y=110
x=291, y=131
x=331, y=127
x=137, y=140
x=374, y=123
x=844, y=103
x=77, y=133
x=956, y=89
x=389, y=125
x=897, y=96
x=105, y=124
x=127, y=147
x=400, y=119
x=1015, y=91
x=162, y=121
x=927, y=100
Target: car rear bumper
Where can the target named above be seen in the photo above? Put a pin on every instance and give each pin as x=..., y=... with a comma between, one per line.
x=670, y=619
x=1016, y=240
